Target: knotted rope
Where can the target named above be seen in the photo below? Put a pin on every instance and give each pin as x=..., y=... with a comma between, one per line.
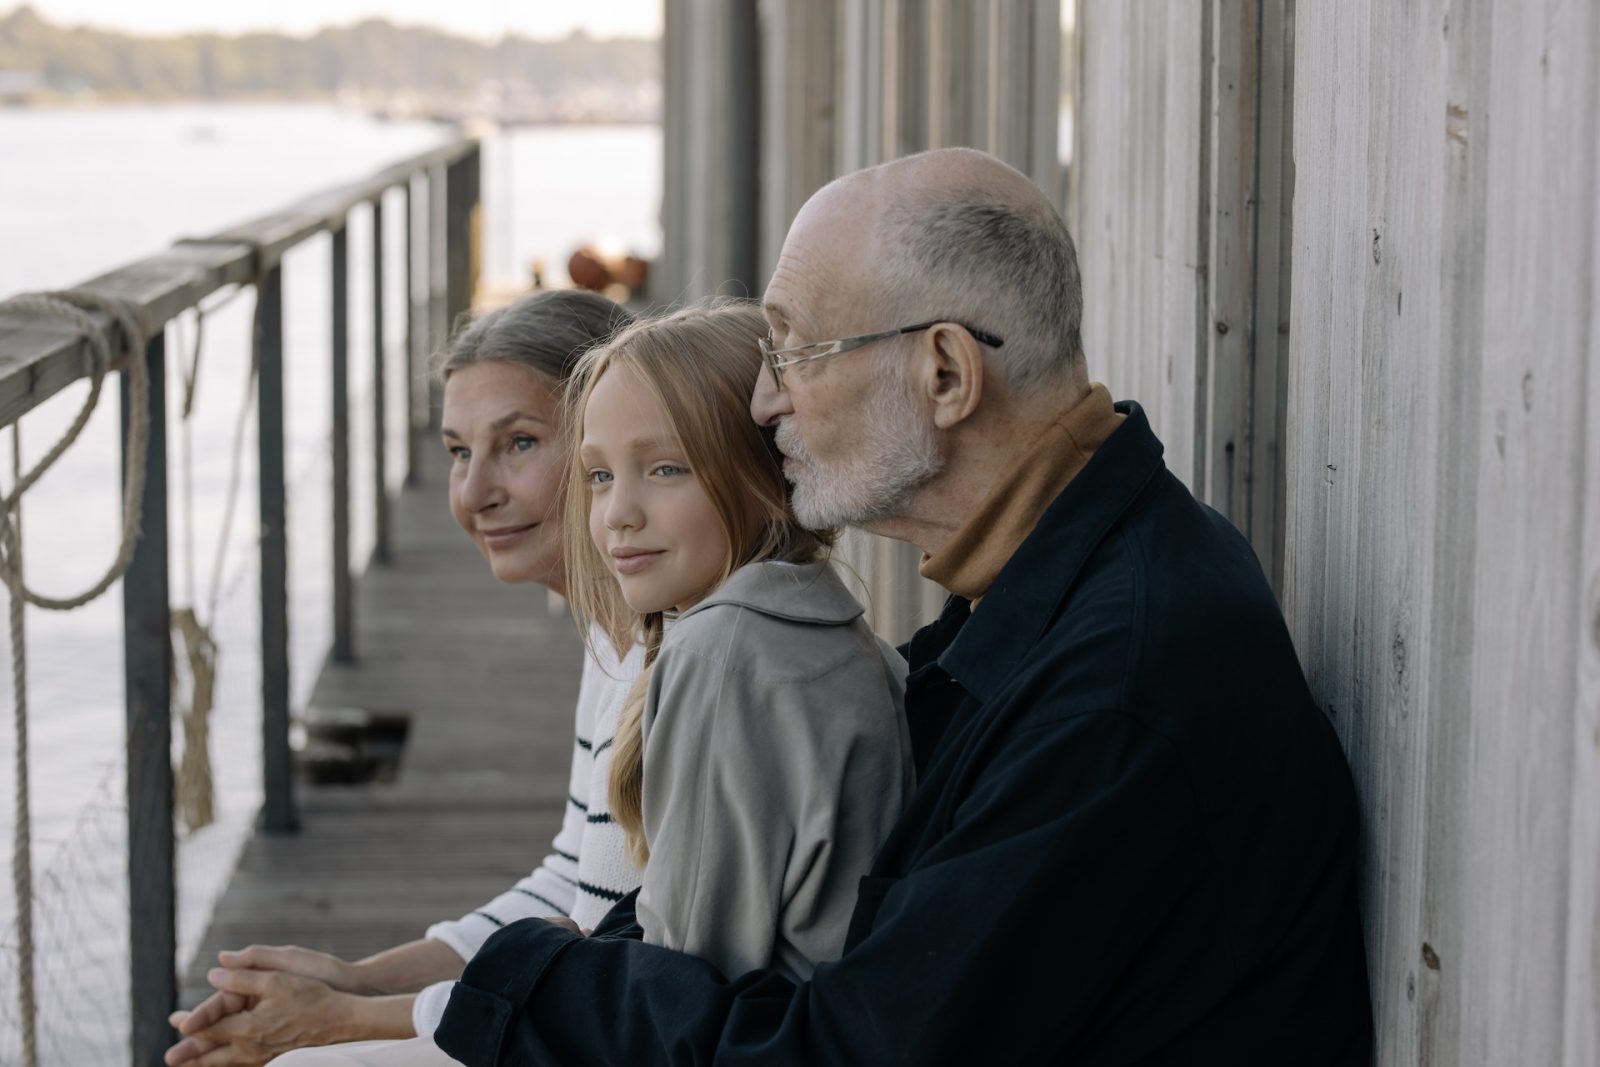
x=198, y=649
x=75, y=308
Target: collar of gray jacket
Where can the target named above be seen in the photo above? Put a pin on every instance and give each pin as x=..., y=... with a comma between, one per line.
x=802, y=592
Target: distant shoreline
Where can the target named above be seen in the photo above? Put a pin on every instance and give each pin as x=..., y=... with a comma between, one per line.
x=443, y=117
x=395, y=70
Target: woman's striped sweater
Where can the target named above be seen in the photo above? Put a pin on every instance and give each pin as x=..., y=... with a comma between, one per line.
x=587, y=869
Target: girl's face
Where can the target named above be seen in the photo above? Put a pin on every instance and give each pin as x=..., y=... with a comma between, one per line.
x=648, y=514
x=500, y=426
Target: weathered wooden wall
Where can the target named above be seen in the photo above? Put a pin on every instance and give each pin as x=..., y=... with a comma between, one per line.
x=1140, y=160
x=1183, y=183
x=1413, y=451
x=1443, y=550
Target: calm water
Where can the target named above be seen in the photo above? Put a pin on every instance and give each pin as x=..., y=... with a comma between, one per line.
x=85, y=190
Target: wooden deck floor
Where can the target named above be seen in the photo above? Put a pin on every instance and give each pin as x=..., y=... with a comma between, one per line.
x=489, y=678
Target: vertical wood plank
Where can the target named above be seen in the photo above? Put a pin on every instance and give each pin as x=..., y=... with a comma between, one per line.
x=1042, y=37
x=950, y=74
x=667, y=275
x=1140, y=171
x=1582, y=1038
x=1438, y=537
x=1231, y=267
x=799, y=135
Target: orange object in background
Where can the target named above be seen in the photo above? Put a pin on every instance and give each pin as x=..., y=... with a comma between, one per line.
x=591, y=269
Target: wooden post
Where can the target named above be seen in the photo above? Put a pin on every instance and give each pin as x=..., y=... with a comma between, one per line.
x=438, y=282
x=380, y=454
x=743, y=161
x=147, y=673
x=277, y=770
x=343, y=607
x=799, y=128
x=413, y=429
x=457, y=238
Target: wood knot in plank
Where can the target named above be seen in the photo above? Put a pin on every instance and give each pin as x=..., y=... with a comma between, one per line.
x=1430, y=958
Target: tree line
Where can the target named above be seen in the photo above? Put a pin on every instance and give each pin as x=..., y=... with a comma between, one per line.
x=374, y=55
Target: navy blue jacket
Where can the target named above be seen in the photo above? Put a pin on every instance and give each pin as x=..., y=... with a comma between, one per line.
x=1133, y=840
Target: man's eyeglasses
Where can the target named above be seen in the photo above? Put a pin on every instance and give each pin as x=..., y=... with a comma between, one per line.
x=778, y=358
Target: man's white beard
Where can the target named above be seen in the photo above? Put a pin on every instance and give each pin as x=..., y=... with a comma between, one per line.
x=876, y=478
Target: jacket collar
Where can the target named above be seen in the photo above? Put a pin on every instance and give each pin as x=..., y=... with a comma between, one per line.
x=1030, y=587
x=804, y=592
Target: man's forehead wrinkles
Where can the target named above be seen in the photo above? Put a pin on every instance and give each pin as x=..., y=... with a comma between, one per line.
x=809, y=291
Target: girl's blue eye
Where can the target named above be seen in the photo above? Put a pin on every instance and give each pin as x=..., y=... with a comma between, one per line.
x=459, y=452
x=599, y=477
x=522, y=442
x=669, y=470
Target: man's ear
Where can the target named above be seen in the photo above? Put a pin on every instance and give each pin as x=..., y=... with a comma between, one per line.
x=953, y=374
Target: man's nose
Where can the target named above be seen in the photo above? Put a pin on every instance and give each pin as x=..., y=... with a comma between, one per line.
x=768, y=403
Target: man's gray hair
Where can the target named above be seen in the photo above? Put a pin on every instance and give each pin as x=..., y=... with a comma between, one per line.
x=973, y=256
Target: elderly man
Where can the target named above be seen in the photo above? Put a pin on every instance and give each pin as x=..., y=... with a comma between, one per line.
x=1134, y=836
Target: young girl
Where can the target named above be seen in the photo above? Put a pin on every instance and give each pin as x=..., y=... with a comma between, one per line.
x=763, y=756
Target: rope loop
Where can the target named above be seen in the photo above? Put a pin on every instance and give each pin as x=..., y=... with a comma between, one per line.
x=75, y=306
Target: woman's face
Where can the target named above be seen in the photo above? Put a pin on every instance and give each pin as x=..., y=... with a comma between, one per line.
x=507, y=475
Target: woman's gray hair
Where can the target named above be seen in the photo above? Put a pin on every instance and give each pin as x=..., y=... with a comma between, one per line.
x=546, y=331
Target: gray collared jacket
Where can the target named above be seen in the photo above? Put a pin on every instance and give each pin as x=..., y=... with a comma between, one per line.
x=776, y=758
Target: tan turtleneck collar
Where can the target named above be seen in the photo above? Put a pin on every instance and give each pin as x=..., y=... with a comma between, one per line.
x=971, y=560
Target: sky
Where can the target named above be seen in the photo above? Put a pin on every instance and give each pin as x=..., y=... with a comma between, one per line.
x=478, y=18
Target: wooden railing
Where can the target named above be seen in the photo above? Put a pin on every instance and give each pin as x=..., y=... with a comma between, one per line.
x=40, y=356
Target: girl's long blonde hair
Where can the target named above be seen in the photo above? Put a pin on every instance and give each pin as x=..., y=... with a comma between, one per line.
x=701, y=364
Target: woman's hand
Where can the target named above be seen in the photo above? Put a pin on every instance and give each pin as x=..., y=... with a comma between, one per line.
x=259, y=1014
x=254, y=1016
x=307, y=963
